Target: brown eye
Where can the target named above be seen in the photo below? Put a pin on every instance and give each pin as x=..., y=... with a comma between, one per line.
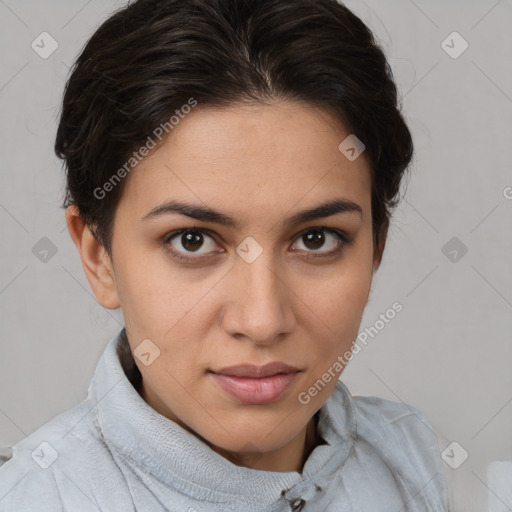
x=314, y=239
x=190, y=241
x=317, y=238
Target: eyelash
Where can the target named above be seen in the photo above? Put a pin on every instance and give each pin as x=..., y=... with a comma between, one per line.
x=344, y=239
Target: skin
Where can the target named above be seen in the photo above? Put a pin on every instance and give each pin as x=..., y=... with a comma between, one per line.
x=259, y=165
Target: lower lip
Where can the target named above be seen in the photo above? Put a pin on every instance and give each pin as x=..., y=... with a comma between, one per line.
x=255, y=391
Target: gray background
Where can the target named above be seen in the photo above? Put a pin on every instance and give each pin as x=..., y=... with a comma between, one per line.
x=447, y=353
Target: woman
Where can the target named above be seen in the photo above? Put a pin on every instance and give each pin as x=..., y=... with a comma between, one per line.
x=231, y=166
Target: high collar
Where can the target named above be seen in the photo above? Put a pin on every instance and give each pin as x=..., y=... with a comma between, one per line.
x=176, y=458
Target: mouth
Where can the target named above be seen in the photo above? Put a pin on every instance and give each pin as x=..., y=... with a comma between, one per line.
x=254, y=385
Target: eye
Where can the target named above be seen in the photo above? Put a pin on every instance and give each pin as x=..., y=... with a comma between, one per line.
x=314, y=239
x=186, y=244
x=190, y=241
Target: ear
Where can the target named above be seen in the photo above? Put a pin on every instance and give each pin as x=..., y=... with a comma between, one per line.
x=95, y=260
x=379, y=245
x=378, y=250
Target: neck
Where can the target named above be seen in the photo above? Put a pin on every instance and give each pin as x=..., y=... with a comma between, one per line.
x=290, y=457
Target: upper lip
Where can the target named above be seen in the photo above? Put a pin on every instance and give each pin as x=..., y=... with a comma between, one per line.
x=254, y=371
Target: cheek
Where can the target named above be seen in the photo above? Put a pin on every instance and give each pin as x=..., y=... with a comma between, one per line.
x=164, y=304
x=144, y=293
x=337, y=303
x=338, y=313
x=351, y=277
x=145, y=280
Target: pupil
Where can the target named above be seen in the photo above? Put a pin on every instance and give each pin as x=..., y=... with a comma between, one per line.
x=192, y=240
x=316, y=238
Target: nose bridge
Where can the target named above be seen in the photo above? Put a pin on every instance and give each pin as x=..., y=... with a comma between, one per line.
x=262, y=309
x=262, y=281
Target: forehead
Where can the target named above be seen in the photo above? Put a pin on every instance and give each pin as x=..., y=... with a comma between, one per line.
x=250, y=160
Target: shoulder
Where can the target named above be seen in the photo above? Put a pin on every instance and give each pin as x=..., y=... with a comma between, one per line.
x=399, y=426
x=22, y=486
x=406, y=440
x=42, y=465
x=391, y=415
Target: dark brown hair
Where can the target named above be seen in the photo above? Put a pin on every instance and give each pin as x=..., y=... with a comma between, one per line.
x=148, y=59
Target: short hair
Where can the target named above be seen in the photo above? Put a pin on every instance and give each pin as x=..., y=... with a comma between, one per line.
x=148, y=59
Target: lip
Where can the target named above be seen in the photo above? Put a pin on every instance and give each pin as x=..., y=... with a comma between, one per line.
x=253, y=385
x=254, y=371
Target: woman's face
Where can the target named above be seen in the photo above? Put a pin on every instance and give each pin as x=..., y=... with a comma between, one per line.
x=266, y=286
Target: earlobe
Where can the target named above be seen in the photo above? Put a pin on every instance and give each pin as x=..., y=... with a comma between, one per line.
x=95, y=260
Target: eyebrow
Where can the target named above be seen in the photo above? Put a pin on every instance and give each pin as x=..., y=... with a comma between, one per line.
x=206, y=214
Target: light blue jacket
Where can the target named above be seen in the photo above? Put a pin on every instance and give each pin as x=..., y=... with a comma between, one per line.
x=113, y=452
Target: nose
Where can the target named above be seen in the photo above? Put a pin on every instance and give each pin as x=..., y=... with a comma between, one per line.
x=259, y=302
